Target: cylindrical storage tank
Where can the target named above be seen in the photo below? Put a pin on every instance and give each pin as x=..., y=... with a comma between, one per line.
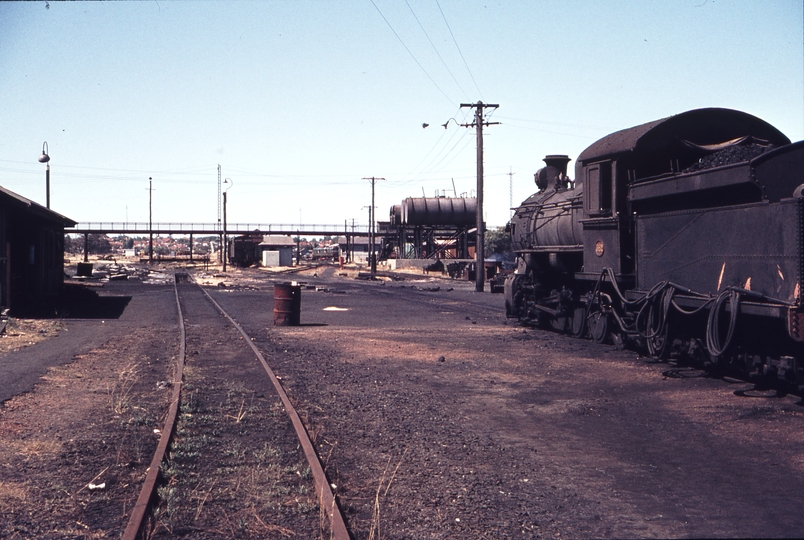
x=457, y=211
x=287, y=304
x=396, y=215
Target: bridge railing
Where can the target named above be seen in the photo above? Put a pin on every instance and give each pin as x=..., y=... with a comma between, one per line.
x=213, y=228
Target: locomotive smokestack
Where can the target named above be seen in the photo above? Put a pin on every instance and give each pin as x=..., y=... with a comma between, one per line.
x=558, y=161
x=554, y=173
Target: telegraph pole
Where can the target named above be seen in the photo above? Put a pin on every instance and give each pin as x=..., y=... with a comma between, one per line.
x=372, y=232
x=480, y=268
x=220, y=256
x=224, y=247
x=150, y=220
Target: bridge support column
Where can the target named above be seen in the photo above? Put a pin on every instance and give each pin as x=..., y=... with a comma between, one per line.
x=86, y=247
x=191, y=247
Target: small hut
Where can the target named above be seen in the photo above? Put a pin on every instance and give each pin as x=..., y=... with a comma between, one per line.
x=31, y=251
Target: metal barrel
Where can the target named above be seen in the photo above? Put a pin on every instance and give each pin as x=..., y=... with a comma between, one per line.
x=287, y=304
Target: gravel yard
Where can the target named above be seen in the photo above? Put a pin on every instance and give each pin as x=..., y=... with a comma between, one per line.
x=434, y=416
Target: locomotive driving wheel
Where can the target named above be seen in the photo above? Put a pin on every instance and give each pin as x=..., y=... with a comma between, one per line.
x=579, y=325
x=514, y=296
x=599, y=326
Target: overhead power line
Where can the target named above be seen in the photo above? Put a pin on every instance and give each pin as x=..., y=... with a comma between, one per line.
x=459, y=49
x=435, y=48
x=410, y=53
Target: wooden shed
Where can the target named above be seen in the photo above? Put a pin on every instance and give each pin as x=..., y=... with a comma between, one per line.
x=31, y=252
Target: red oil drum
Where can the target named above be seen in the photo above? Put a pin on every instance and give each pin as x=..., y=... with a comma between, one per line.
x=287, y=304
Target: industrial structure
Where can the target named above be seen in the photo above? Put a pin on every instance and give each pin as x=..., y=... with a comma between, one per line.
x=431, y=228
x=266, y=250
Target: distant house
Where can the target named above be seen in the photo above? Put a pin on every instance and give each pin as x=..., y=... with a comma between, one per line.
x=277, y=250
x=31, y=251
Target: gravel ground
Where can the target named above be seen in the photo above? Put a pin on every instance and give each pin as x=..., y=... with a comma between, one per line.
x=442, y=419
x=434, y=415
x=74, y=449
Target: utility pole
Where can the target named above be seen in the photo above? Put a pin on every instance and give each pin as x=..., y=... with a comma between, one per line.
x=372, y=232
x=150, y=220
x=480, y=269
x=352, y=246
x=224, y=247
x=220, y=255
x=225, y=241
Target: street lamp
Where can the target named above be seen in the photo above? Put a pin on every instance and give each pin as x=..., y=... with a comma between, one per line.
x=44, y=158
x=225, y=246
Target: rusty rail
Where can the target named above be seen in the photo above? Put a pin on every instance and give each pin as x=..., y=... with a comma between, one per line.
x=338, y=530
x=133, y=531
x=135, y=522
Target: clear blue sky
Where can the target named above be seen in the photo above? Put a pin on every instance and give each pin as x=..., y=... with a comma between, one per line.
x=299, y=100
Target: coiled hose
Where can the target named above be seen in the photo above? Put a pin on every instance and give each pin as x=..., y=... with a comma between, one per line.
x=713, y=343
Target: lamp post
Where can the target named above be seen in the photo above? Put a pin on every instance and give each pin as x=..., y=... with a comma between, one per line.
x=44, y=158
x=225, y=246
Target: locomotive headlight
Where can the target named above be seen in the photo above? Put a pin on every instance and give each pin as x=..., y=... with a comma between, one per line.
x=599, y=249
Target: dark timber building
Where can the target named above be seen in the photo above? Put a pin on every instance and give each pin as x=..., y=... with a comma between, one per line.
x=31, y=251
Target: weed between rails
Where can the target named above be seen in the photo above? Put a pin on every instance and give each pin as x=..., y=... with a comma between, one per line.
x=221, y=475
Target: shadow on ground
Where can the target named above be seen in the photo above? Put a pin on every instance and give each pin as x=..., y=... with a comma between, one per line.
x=77, y=301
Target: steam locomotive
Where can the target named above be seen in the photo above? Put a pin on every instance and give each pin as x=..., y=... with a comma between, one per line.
x=681, y=236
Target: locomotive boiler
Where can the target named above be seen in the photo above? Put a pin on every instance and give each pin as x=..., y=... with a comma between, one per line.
x=680, y=236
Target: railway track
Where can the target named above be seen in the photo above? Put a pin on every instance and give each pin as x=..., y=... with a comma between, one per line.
x=435, y=417
x=209, y=424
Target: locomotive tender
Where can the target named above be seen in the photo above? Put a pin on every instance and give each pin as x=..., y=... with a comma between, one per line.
x=683, y=235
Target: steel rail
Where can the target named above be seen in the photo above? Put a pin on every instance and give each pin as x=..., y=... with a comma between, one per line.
x=327, y=499
x=137, y=519
x=338, y=530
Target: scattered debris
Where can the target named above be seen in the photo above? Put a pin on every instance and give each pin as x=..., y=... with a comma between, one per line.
x=426, y=289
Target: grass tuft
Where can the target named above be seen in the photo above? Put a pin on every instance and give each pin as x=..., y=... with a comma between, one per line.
x=120, y=393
